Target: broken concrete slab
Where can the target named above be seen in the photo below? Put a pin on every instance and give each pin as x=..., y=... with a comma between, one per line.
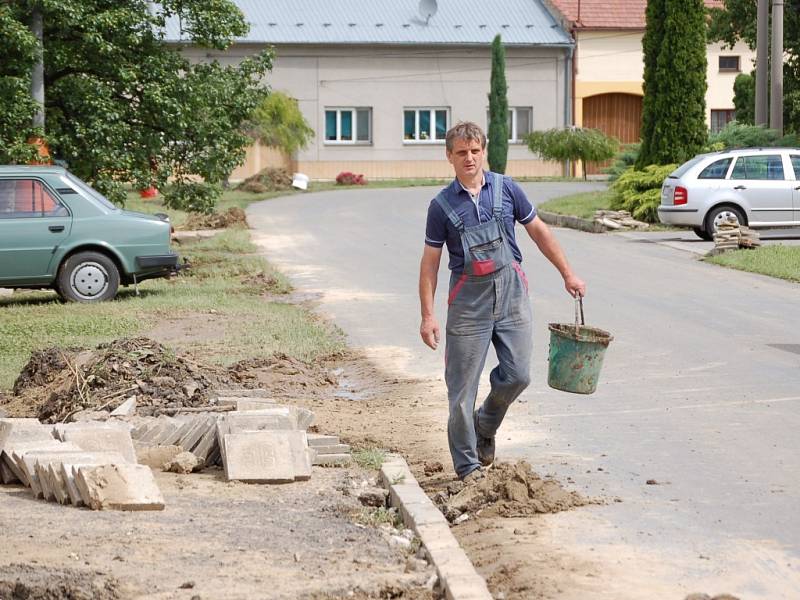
x=242, y=393
x=184, y=463
x=201, y=427
x=280, y=419
x=119, y=487
x=265, y=456
x=99, y=439
x=125, y=409
x=70, y=465
x=155, y=456
x=245, y=402
x=15, y=449
x=7, y=475
x=207, y=443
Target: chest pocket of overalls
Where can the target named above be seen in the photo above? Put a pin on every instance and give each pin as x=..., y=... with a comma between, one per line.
x=485, y=246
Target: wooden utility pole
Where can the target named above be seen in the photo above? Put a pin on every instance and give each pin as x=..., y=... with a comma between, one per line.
x=776, y=92
x=762, y=60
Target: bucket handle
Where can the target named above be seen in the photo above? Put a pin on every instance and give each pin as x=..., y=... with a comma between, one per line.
x=578, y=312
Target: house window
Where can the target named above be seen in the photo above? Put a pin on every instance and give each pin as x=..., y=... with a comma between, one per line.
x=720, y=118
x=425, y=124
x=348, y=125
x=24, y=198
x=729, y=63
x=520, y=123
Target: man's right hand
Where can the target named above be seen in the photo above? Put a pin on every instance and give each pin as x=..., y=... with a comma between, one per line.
x=429, y=330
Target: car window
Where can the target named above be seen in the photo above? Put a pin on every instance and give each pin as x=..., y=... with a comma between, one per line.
x=796, y=166
x=686, y=166
x=716, y=170
x=27, y=198
x=765, y=166
x=91, y=192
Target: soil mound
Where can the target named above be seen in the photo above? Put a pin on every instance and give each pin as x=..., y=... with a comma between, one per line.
x=57, y=383
x=284, y=376
x=232, y=217
x=36, y=583
x=508, y=490
x=267, y=180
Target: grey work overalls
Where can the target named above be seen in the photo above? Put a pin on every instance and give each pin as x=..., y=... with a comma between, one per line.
x=488, y=302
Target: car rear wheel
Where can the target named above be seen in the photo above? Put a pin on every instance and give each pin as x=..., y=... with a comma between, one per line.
x=720, y=214
x=702, y=234
x=88, y=277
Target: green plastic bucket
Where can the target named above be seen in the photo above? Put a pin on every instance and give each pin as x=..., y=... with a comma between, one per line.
x=576, y=356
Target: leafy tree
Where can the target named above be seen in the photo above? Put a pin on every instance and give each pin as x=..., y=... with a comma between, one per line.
x=744, y=98
x=588, y=145
x=740, y=135
x=498, y=110
x=124, y=106
x=673, y=112
x=737, y=21
x=278, y=121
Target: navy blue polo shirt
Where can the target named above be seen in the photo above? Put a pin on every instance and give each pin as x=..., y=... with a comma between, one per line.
x=439, y=230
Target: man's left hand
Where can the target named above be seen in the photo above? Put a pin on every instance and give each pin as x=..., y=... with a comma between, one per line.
x=575, y=286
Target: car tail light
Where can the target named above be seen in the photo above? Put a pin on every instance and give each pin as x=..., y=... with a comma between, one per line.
x=681, y=195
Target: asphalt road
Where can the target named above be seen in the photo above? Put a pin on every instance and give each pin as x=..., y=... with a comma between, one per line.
x=700, y=391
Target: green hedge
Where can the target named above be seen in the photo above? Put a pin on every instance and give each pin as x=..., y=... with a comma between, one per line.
x=639, y=192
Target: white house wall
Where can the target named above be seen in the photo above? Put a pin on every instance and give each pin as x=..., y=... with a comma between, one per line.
x=389, y=79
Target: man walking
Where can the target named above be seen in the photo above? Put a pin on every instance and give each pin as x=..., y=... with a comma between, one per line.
x=488, y=296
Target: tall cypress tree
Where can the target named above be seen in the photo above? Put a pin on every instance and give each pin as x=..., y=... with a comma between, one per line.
x=673, y=115
x=498, y=110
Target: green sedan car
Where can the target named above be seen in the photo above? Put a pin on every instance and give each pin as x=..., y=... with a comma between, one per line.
x=57, y=232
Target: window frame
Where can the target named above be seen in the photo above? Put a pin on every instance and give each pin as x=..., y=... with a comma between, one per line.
x=732, y=111
x=796, y=169
x=432, y=110
x=513, y=137
x=731, y=161
x=64, y=213
x=354, y=112
x=736, y=69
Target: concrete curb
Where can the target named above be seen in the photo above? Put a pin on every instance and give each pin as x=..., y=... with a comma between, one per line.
x=571, y=222
x=457, y=575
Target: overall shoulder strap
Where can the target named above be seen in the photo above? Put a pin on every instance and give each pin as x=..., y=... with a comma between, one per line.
x=448, y=210
x=497, y=189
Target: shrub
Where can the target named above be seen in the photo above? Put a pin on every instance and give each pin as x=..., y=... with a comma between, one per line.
x=639, y=192
x=199, y=197
x=572, y=144
x=738, y=135
x=348, y=178
x=625, y=158
x=279, y=122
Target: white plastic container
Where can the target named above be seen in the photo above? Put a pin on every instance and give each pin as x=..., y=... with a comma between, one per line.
x=300, y=181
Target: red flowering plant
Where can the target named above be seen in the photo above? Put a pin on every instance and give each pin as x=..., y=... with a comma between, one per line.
x=348, y=178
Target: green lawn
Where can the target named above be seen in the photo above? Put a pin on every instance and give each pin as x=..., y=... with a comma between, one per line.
x=579, y=205
x=229, y=287
x=776, y=261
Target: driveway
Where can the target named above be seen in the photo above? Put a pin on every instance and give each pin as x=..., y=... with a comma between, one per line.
x=700, y=393
x=687, y=241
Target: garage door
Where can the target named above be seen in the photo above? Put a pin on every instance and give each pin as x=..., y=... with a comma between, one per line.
x=617, y=115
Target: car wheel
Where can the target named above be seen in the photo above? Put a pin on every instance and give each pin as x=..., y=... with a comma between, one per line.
x=702, y=234
x=88, y=277
x=719, y=215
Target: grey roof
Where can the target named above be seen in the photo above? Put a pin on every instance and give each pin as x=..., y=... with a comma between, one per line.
x=457, y=22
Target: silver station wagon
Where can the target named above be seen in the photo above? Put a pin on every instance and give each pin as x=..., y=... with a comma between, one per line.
x=758, y=187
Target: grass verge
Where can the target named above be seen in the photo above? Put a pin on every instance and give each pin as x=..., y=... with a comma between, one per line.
x=231, y=296
x=581, y=205
x=778, y=261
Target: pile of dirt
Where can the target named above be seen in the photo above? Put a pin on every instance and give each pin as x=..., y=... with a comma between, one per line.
x=284, y=376
x=507, y=490
x=267, y=180
x=232, y=217
x=37, y=583
x=57, y=383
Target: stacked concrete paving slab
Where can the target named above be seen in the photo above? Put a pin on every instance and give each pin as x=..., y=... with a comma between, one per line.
x=327, y=451
x=90, y=464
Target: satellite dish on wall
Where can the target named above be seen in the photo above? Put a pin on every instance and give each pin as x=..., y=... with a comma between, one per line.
x=427, y=9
